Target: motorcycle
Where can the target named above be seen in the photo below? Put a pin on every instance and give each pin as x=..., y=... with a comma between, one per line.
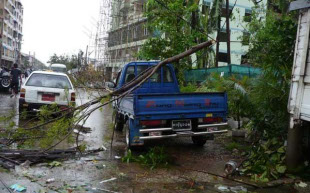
x=5, y=79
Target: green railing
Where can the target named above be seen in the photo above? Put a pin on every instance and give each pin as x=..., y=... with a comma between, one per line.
x=200, y=75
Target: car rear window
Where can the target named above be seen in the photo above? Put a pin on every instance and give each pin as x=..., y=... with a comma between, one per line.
x=59, y=69
x=49, y=81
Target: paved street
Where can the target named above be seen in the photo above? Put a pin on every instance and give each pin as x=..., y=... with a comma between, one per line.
x=85, y=174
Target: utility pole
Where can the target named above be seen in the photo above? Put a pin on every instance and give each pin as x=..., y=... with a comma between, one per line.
x=228, y=32
x=85, y=62
x=218, y=40
x=34, y=59
x=1, y=43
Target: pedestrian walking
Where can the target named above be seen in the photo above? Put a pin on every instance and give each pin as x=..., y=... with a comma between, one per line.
x=16, y=78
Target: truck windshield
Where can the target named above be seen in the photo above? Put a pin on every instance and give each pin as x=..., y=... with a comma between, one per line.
x=156, y=78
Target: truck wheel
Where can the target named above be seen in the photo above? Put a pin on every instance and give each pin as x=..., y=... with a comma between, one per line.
x=127, y=130
x=118, y=123
x=199, y=140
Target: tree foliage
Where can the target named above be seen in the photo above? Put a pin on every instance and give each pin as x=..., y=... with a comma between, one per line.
x=272, y=49
x=238, y=91
x=177, y=25
x=73, y=61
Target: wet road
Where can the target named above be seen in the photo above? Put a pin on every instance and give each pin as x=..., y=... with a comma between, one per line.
x=86, y=174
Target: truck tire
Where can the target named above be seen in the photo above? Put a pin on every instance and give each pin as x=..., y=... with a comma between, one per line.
x=118, y=122
x=199, y=140
x=127, y=134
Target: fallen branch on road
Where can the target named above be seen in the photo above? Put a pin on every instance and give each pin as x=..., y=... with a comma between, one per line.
x=17, y=157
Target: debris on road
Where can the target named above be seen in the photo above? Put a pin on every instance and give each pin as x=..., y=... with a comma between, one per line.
x=105, y=190
x=238, y=189
x=234, y=189
x=55, y=164
x=109, y=180
x=104, y=148
x=117, y=157
x=222, y=188
x=50, y=180
x=301, y=185
x=9, y=158
x=18, y=188
x=230, y=167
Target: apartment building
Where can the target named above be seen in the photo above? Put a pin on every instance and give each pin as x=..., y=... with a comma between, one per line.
x=241, y=16
x=11, y=27
x=128, y=32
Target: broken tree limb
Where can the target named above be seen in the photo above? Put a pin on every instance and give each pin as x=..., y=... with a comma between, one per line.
x=16, y=157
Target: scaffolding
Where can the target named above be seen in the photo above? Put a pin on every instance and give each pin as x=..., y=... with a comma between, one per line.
x=118, y=37
x=101, y=36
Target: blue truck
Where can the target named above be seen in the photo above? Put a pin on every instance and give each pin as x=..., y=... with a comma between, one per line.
x=157, y=109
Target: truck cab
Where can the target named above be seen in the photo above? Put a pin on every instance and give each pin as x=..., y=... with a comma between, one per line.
x=163, y=81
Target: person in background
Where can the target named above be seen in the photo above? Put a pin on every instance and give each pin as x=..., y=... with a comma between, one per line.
x=16, y=78
x=26, y=73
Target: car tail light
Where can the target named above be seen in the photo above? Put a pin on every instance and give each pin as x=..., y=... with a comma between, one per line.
x=22, y=93
x=210, y=120
x=153, y=122
x=73, y=97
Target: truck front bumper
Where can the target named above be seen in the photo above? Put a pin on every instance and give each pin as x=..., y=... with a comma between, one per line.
x=181, y=133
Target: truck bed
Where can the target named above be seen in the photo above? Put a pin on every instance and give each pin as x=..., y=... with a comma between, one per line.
x=175, y=106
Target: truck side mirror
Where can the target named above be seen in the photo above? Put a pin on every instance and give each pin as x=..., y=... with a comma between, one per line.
x=110, y=84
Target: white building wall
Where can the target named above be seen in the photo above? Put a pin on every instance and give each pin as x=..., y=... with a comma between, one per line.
x=237, y=27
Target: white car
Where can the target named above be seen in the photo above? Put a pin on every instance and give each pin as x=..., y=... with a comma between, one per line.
x=46, y=88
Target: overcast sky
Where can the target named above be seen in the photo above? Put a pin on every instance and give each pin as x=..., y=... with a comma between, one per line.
x=58, y=26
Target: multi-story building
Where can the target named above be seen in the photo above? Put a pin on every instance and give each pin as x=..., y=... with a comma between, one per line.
x=11, y=27
x=239, y=19
x=128, y=32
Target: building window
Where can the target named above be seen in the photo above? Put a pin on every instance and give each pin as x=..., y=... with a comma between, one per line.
x=135, y=32
x=223, y=36
x=246, y=38
x=145, y=31
x=223, y=57
x=245, y=60
x=205, y=7
x=247, y=15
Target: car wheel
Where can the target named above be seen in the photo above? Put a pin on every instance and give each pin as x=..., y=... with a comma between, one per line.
x=118, y=122
x=199, y=140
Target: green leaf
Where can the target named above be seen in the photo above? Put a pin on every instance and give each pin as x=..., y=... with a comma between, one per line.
x=281, y=149
x=281, y=169
x=55, y=164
